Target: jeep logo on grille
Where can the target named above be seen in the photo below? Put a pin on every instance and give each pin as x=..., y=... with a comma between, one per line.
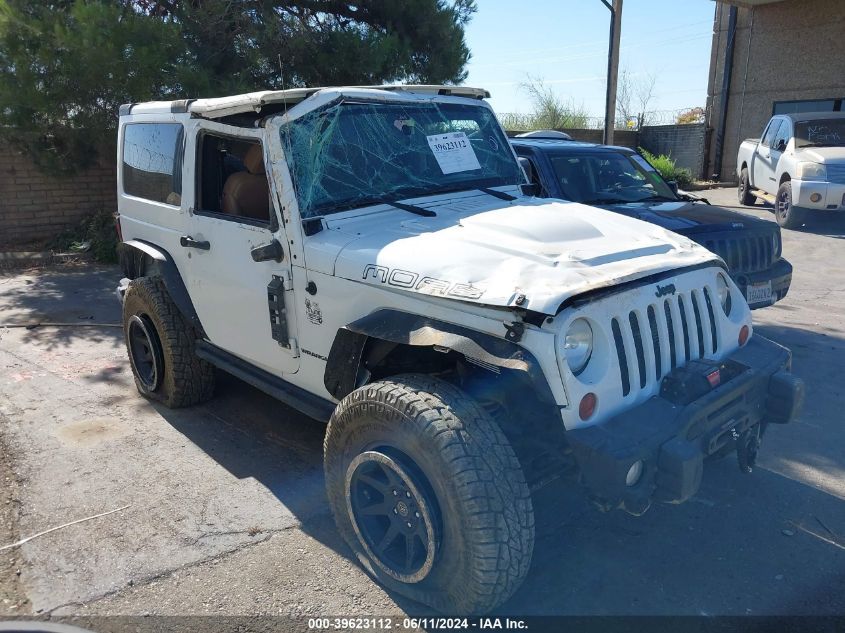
x=662, y=291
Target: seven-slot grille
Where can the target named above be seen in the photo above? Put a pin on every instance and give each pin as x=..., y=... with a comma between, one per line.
x=748, y=253
x=667, y=334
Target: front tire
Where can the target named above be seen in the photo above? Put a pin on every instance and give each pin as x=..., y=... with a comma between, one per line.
x=429, y=494
x=787, y=216
x=160, y=344
x=744, y=189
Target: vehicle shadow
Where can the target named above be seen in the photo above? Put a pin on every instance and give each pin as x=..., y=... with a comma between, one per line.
x=724, y=552
x=822, y=223
x=252, y=435
x=825, y=224
x=79, y=295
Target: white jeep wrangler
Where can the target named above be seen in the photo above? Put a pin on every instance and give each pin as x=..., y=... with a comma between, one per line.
x=369, y=257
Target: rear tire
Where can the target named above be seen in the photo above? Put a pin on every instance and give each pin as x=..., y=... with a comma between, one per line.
x=415, y=446
x=787, y=216
x=744, y=189
x=160, y=344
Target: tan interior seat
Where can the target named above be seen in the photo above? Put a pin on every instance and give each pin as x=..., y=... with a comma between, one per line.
x=246, y=193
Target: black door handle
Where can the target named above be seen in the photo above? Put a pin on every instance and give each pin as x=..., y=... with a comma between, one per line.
x=266, y=252
x=188, y=242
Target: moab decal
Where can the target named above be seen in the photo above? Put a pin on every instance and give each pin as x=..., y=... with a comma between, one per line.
x=427, y=285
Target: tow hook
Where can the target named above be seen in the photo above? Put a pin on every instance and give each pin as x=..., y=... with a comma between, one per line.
x=747, y=447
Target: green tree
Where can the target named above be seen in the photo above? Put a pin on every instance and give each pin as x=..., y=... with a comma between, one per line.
x=66, y=65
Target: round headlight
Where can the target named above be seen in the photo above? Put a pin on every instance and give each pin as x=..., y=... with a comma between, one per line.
x=724, y=293
x=578, y=345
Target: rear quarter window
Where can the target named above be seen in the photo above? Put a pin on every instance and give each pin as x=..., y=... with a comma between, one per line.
x=152, y=161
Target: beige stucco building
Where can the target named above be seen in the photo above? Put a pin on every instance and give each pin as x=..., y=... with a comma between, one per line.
x=788, y=56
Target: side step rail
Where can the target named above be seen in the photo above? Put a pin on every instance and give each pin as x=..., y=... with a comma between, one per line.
x=763, y=196
x=293, y=396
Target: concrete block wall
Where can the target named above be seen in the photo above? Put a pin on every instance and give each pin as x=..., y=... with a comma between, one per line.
x=35, y=207
x=684, y=143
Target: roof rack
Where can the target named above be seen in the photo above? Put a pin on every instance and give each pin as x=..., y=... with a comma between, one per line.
x=254, y=101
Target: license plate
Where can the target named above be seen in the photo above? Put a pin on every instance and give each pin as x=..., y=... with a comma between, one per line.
x=759, y=293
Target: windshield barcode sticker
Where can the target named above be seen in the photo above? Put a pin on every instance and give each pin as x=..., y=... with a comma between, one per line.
x=453, y=152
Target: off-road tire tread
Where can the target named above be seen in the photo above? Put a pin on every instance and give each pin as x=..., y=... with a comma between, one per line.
x=796, y=217
x=187, y=379
x=488, y=474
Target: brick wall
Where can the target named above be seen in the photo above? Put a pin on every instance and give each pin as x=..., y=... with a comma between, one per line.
x=684, y=143
x=35, y=207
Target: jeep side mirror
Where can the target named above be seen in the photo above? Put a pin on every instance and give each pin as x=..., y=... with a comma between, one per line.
x=673, y=185
x=267, y=252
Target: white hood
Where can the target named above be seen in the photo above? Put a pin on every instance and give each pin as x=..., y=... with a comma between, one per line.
x=822, y=154
x=492, y=252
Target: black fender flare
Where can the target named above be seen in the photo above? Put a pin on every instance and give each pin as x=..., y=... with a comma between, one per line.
x=140, y=258
x=344, y=361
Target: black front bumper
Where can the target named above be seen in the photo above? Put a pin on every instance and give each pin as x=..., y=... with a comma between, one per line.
x=780, y=274
x=672, y=440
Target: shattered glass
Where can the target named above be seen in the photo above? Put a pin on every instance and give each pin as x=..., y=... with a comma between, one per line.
x=352, y=153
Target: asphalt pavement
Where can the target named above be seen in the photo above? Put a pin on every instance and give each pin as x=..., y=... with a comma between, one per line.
x=220, y=509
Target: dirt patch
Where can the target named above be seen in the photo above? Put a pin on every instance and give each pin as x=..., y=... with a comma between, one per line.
x=94, y=431
x=12, y=598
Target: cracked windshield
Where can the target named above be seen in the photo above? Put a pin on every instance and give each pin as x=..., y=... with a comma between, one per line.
x=352, y=154
x=609, y=179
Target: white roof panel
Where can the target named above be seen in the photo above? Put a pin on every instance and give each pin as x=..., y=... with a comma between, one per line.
x=254, y=101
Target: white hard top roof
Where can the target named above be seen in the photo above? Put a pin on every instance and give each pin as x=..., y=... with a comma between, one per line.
x=255, y=101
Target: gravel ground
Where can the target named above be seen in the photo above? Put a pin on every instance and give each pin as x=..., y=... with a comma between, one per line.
x=13, y=599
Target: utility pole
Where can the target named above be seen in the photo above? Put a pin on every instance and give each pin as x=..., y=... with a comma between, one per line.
x=615, y=7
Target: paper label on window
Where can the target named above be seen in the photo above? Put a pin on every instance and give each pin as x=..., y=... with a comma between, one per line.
x=453, y=152
x=642, y=162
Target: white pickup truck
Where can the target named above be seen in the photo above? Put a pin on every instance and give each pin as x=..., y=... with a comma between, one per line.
x=799, y=161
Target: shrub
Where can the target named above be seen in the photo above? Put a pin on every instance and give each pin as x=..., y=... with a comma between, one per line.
x=95, y=233
x=665, y=165
x=549, y=112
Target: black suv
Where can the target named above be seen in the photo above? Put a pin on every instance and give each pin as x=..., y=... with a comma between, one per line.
x=619, y=179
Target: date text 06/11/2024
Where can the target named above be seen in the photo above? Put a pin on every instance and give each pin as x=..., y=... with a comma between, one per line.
x=406, y=624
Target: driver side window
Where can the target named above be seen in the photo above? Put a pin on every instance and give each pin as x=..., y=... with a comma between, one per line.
x=781, y=138
x=232, y=182
x=771, y=131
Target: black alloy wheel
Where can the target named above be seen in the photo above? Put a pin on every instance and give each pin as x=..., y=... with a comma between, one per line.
x=145, y=351
x=388, y=500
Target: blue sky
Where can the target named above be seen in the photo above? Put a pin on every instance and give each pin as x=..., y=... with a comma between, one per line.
x=564, y=42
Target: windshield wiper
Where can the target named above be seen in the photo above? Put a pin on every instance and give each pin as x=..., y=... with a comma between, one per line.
x=501, y=195
x=490, y=192
x=689, y=198
x=426, y=213
x=357, y=204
